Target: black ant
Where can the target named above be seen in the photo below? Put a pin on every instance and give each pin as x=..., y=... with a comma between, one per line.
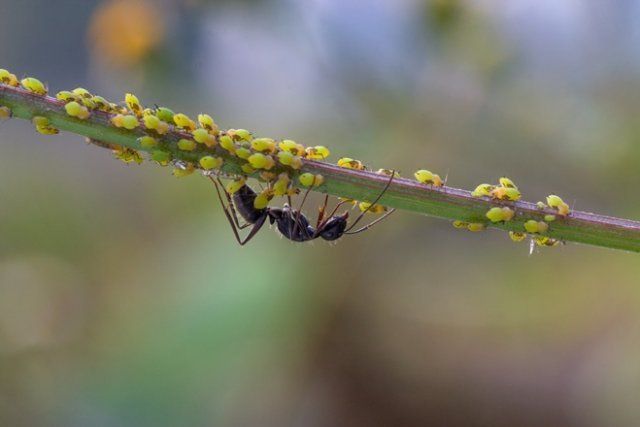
x=291, y=223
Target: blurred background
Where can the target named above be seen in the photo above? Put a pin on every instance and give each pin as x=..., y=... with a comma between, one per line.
x=125, y=301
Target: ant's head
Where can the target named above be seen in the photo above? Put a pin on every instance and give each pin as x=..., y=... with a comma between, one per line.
x=334, y=227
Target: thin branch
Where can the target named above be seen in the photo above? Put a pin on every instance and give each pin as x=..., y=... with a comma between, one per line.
x=443, y=202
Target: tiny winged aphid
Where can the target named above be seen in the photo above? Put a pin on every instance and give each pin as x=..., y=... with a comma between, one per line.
x=291, y=223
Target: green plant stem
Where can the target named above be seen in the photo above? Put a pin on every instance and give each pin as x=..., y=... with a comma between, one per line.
x=443, y=202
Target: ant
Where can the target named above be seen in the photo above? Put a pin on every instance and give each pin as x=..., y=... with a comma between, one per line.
x=291, y=223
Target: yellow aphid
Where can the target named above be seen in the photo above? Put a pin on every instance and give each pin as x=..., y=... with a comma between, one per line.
x=183, y=121
x=375, y=209
x=349, y=163
x=292, y=147
x=546, y=241
x=161, y=157
x=130, y=121
x=5, y=113
x=264, y=145
x=243, y=153
x=476, y=226
x=262, y=199
x=558, y=204
x=506, y=182
x=427, y=177
x=483, y=190
x=181, y=172
x=101, y=103
x=227, y=143
x=150, y=121
x=516, y=236
x=67, y=96
x=202, y=136
x=117, y=120
x=34, y=85
x=306, y=179
x=235, y=185
x=147, y=142
x=549, y=218
x=506, y=193
x=210, y=162
x=247, y=169
x=133, y=103
x=186, y=144
x=318, y=152
x=289, y=159
x=162, y=128
x=281, y=186
x=165, y=114
x=82, y=93
x=206, y=121
x=459, y=224
x=127, y=155
x=261, y=161
x=43, y=125
x=243, y=135
x=319, y=180
x=497, y=214
x=541, y=205
x=8, y=78
x=533, y=226
x=74, y=109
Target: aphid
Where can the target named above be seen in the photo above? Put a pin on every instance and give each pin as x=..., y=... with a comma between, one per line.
x=319, y=152
x=182, y=170
x=5, y=113
x=517, y=236
x=134, y=104
x=82, y=93
x=127, y=155
x=43, y=125
x=202, y=136
x=289, y=159
x=206, y=121
x=74, y=109
x=210, y=162
x=558, y=204
x=101, y=104
x=243, y=153
x=506, y=193
x=247, y=169
x=349, y=163
x=147, y=142
x=261, y=161
x=291, y=223
x=546, y=241
x=476, y=226
x=292, y=147
x=459, y=224
x=374, y=209
x=507, y=183
x=310, y=180
x=67, y=96
x=262, y=199
x=263, y=145
x=186, y=144
x=483, y=190
x=243, y=135
x=8, y=78
x=183, y=121
x=426, y=177
x=497, y=214
x=34, y=85
x=533, y=226
x=388, y=172
x=165, y=114
x=549, y=218
x=227, y=143
x=281, y=186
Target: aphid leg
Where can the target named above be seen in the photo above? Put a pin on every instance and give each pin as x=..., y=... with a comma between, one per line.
x=256, y=227
x=384, y=190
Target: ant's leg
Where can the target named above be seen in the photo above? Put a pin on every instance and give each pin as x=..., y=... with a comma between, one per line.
x=386, y=187
x=372, y=223
x=256, y=227
x=230, y=204
x=297, y=219
x=321, y=211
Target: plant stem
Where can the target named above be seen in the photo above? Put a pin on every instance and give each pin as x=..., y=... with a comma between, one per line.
x=443, y=202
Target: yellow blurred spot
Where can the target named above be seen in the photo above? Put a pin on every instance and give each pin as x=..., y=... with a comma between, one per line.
x=124, y=31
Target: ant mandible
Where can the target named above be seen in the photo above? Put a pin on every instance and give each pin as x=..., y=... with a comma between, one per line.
x=291, y=223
